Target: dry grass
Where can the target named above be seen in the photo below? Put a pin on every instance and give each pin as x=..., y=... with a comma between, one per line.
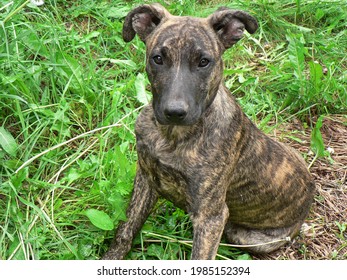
x=321, y=238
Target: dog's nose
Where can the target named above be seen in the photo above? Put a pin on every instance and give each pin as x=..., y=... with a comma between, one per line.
x=176, y=113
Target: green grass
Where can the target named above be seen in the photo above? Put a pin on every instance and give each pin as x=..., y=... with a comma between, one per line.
x=65, y=71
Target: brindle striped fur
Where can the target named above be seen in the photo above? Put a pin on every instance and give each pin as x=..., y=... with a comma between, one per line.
x=197, y=148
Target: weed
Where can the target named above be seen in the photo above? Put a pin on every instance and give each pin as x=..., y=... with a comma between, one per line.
x=342, y=228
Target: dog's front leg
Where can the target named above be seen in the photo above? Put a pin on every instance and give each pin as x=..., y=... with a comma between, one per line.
x=208, y=220
x=141, y=204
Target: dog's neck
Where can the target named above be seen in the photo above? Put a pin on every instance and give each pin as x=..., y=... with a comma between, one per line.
x=179, y=133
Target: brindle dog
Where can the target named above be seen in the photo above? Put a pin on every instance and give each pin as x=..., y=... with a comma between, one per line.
x=197, y=148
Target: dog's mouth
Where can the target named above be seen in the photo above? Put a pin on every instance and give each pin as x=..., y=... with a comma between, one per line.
x=178, y=117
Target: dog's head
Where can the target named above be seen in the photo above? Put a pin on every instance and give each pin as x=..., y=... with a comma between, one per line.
x=184, y=62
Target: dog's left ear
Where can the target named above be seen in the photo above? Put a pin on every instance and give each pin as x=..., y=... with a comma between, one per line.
x=143, y=20
x=230, y=25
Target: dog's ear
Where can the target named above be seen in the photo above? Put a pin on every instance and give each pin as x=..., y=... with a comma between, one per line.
x=230, y=25
x=143, y=20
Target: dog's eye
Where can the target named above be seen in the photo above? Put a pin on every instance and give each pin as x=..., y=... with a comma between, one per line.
x=158, y=60
x=204, y=62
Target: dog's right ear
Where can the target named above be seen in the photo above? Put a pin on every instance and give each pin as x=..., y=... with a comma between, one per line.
x=143, y=20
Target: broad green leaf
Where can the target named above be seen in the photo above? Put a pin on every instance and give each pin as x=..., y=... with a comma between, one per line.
x=296, y=53
x=71, y=69
x=316, y=76
x=156, y=251
x=118, y=203
x=89, y=36
x=73, y=175
x=117, y=12
x=121, y=62
x=12, y=249
x=125, y=63
x=141, y=93
x=317, y=143
x=244, y=257
x=7, y=142
x=99, y=219
x=34, y=42
x=319, y=14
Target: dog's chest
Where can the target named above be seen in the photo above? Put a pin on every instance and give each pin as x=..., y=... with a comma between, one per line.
x=172, y=174
x=171, y=166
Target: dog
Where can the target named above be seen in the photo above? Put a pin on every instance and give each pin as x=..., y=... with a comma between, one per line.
x=197, y=149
